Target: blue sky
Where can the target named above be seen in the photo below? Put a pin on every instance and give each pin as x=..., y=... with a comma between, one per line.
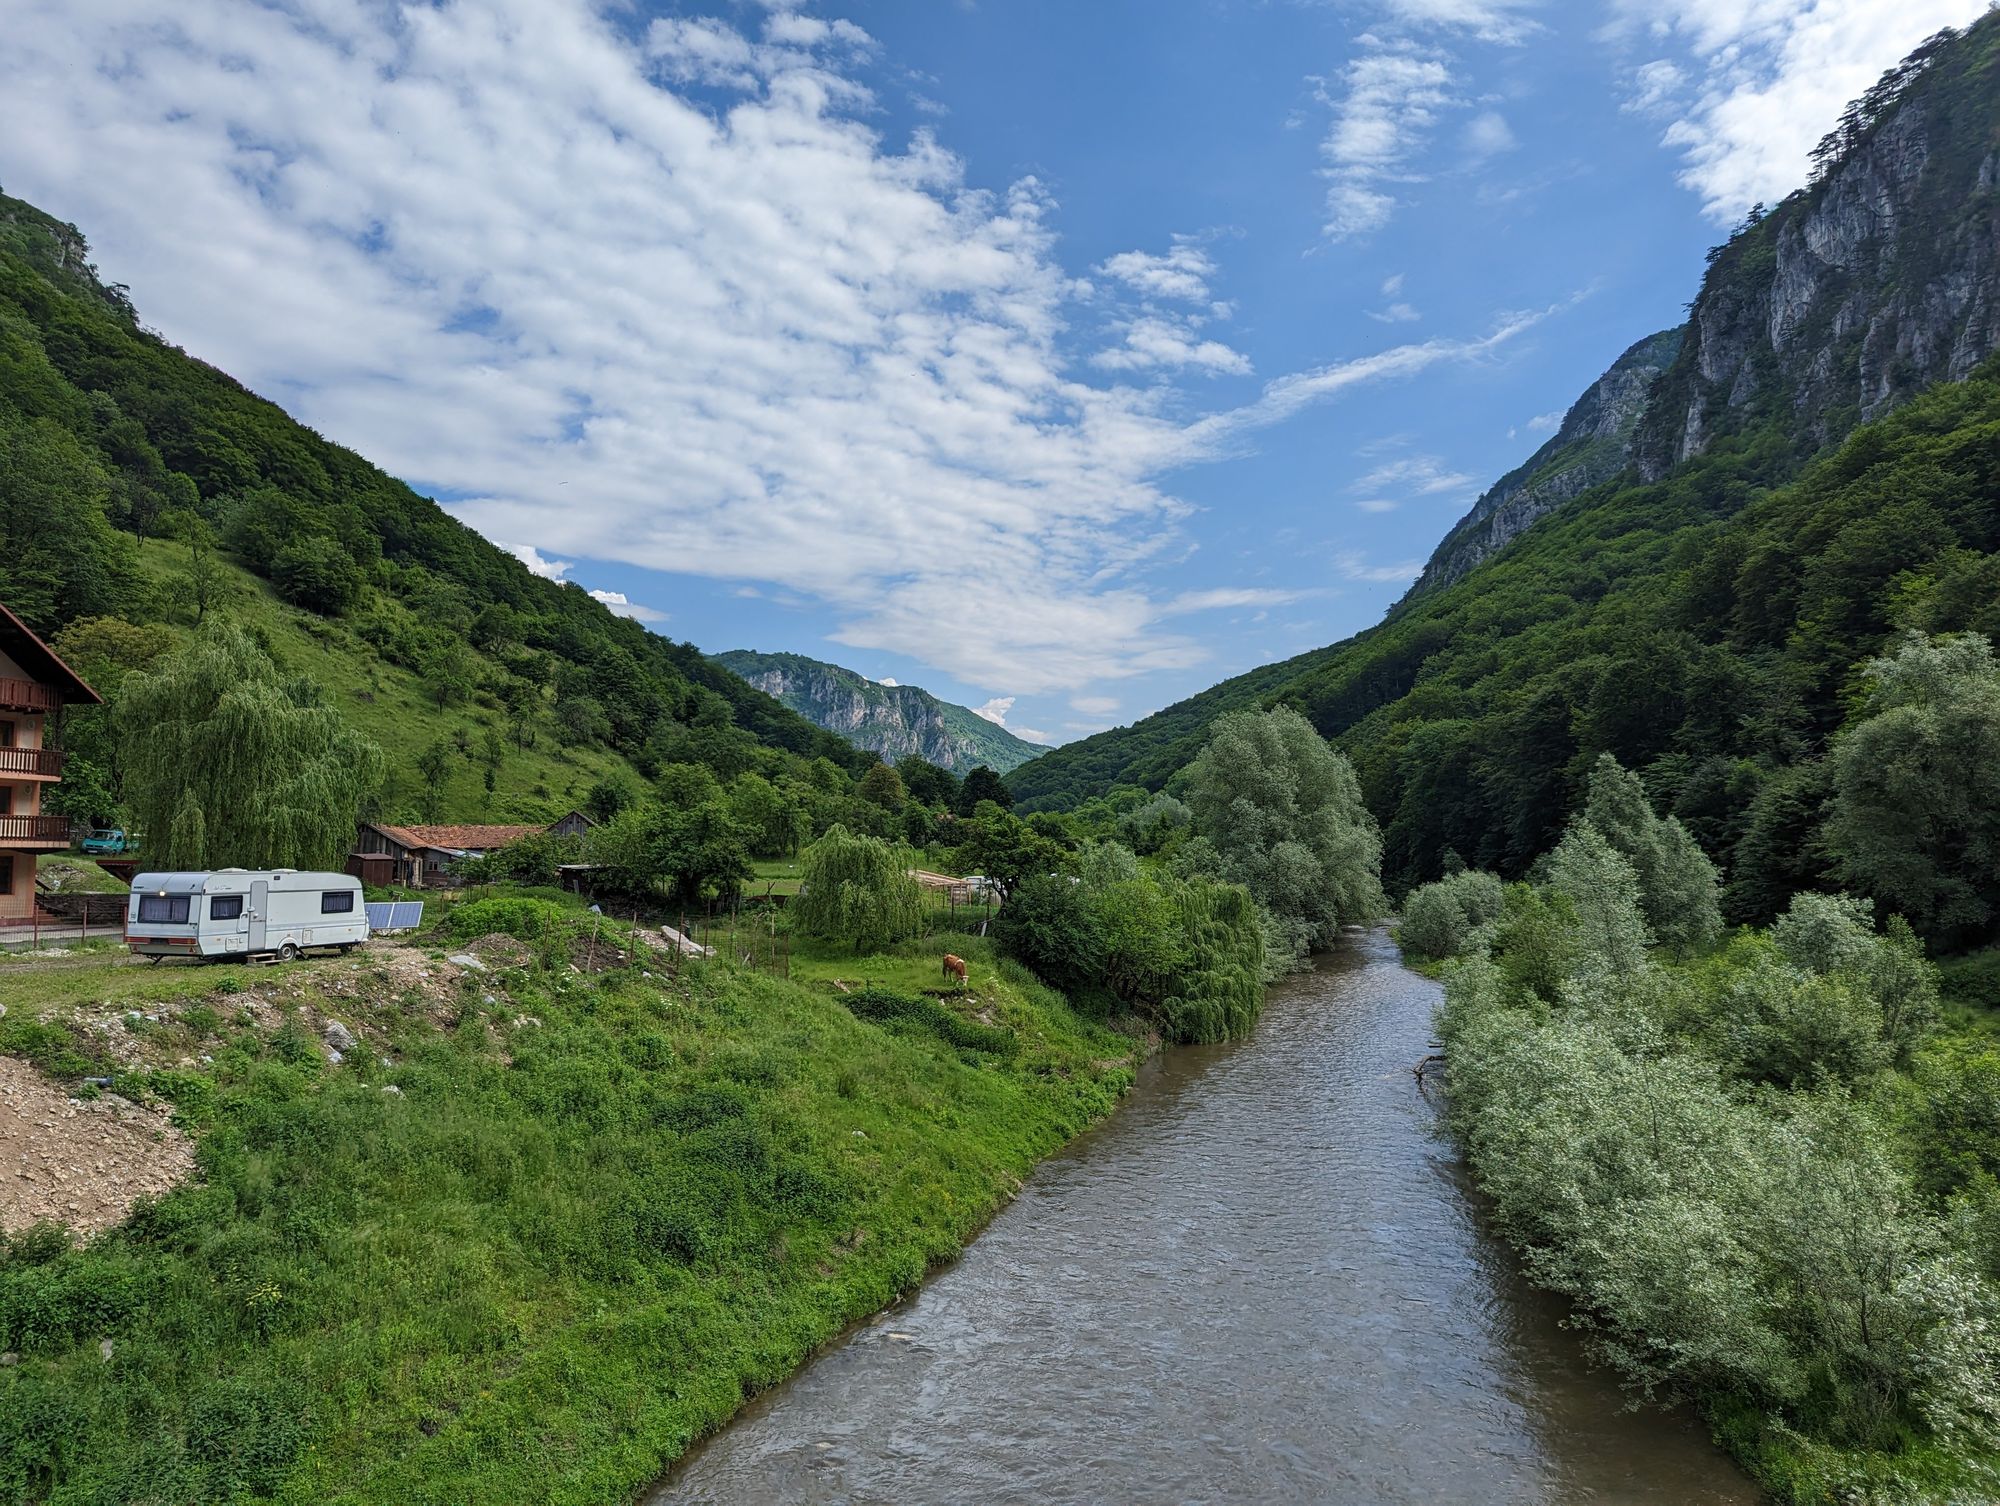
x=1062, y=358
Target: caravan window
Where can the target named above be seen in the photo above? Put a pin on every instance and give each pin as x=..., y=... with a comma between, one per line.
x=225, y=907
x=164, y=909
x=336, y=902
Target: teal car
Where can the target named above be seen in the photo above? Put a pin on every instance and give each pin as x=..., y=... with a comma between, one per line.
x=109, y=842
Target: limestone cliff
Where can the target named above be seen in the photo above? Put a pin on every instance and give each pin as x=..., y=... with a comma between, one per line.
x=892, y=720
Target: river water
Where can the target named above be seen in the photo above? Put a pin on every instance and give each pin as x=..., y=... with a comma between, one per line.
x=1263, y=1279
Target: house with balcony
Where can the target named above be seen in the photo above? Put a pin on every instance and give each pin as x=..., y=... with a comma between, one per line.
x=35, y=685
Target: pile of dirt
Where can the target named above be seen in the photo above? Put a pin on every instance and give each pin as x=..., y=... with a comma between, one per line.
x=83, y=1164
x=498, y=949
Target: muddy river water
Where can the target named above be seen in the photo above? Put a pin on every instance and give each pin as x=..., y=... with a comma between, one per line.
x=1264, y=1279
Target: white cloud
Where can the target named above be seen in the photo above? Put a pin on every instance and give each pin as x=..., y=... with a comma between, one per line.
x=889, y=680
x=1032, y=735
x=1418, y=475
x=1376, y=504
x=1546, y=423
x=501, y=250
x=1487, y=135
x=1769, y=78
x=1395, y=313
x=1392, y=286
x=1226, y=597
x=1354, y=566
x=1184, y=272
x=1488, y=20
x=995, y=710
x=547, y=569
x=624, y=606
x=1094, y=705
x=1391, y=95
x=1155, y=343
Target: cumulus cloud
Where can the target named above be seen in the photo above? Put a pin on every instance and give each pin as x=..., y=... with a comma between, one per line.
x=1487, y=135
x=1758, y=82
x=624, y=606
x=1153, y=343
x=889, y=680
x=1183, y=272
x=547, y=569
x=995, y=710
x=665, y=296
x=1546, y=423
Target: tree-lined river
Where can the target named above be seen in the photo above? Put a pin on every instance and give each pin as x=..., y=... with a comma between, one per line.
x=1262, y=1280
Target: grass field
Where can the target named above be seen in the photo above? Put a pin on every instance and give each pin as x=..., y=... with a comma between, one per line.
x=596, y=1213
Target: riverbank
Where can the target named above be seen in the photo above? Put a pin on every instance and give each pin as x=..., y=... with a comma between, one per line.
x=501, y=1230
x=1265, y=1278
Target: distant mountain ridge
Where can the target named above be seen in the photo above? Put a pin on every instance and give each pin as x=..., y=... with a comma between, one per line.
x=896, y=721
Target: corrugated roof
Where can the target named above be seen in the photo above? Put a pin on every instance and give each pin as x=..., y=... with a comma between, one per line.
x=455, y=838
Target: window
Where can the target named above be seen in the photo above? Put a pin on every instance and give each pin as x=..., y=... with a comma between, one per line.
x=6, y=873
x=336, y=902
x=225, y=907
x=164, y=909
x=6, y=734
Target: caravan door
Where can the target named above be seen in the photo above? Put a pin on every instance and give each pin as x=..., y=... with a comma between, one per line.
x=260, y=909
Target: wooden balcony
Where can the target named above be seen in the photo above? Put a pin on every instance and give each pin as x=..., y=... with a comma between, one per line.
x=33, y=833
x=31, y=763
x=28, y=695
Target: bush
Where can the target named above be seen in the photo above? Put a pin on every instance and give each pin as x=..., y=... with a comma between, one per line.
x=523, y=919
x=1049, y=925
x=883, y=1006
x=1441, y=919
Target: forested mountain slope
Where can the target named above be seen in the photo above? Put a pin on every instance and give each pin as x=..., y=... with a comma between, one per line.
x=1705, y=624
x=896, y=721
x=138, y=483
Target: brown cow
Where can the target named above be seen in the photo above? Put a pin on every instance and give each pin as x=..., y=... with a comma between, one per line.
x=954, y=967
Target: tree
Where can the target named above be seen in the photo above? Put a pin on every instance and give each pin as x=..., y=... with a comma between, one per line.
x=433, y=771
x=1004, y=848
x=882, y=786
x=1679, y=888
x=983, y=784
x=1049, y=924
x=686, y=854
x=857, y=889
x=1602, y=889
x=315, y=572
x=1915, y=819
x=930, y=786
x=1285, y=813
x=201, y=584
x=228, y=764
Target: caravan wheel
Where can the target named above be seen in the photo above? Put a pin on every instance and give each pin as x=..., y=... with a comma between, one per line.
x=289, y=952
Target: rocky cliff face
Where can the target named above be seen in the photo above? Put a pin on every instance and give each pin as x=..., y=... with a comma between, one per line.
x=896, y=721
x=1856, y=293
x=1593, y=444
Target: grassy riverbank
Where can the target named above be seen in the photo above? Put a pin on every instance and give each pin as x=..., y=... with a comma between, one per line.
x=534, y=1232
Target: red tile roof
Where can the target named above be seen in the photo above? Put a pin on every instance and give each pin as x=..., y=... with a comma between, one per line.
x=455, y=838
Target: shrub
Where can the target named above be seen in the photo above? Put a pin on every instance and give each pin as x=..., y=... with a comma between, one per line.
x=1441, y=919
x=1049, y=924
x=884, y=1006
x=523, y=919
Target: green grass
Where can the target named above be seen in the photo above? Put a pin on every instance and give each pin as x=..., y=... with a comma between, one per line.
x=389, y=705
x=563, y=1251
x=71, y=874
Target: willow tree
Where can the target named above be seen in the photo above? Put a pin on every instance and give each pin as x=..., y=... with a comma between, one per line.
x=1285, y=813
x=856, y=888
x=230, y=764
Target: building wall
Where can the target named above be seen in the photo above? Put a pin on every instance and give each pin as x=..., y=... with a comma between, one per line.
x=19, y=903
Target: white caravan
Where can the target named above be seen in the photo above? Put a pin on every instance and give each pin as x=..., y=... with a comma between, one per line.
x=243, y=912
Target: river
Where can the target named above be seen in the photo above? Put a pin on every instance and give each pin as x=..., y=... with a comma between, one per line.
x=1264, y=1279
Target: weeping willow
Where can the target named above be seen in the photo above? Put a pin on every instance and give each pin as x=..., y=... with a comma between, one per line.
x=858, y=889
x=230, y=764
x=1220, y=990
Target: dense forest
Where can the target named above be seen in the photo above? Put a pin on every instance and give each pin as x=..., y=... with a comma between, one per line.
x=1709, y=627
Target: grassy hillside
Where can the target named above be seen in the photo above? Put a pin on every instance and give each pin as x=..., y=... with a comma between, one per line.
x=534, y=1231
x=111, y=439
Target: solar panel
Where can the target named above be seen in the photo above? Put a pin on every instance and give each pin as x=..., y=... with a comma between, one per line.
x=402, y=915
